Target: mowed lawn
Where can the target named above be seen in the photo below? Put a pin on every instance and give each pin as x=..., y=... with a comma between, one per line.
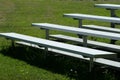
x=17, y=16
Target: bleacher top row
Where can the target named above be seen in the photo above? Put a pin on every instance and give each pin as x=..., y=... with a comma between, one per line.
x=93, y=17
x=108, y=6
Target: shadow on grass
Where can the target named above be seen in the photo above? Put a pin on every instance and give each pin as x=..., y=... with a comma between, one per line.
x=72, y=67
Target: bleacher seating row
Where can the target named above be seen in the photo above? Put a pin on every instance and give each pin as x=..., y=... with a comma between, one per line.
x=88, y=51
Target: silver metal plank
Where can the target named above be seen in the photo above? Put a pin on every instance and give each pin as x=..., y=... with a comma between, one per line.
x=97, y=60
x=50, y=49
x=108, y=62
x=108, y=6
x=57, y=45
x=101, y=28
x=110, y=47
x=81, y=31
x=93, y=17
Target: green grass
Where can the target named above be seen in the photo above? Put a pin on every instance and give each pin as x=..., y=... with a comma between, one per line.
x=13, y=69
x=17, y=16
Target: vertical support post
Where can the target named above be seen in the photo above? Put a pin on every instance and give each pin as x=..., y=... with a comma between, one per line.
x=112, y=25
x=80, y=23
x=80, y=26
x=47, y=33
x=12, y=43
x=91, y=64
x=82, y=36
x=112, y=14
x=85, y=41
x=47, y=37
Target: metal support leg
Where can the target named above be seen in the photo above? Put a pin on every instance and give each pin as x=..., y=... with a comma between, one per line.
x=12, y=43
x=80, y=23
x=85, y=41
x=47, y=37
x=112, y=40
x=112, y=14
x=81, y=36
x=80, y=26
x=91, y=64
x=47, y=33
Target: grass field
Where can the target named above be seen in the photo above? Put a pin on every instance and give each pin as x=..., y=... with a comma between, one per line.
x=24, y=63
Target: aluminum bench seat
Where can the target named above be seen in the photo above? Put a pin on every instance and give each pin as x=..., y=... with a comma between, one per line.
x=61, y=46
x=80, y=17
x=108, y=6
x=101, y=28
x=88, y=52
x=81, y=31
x=91, y=43
x=92, y=17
